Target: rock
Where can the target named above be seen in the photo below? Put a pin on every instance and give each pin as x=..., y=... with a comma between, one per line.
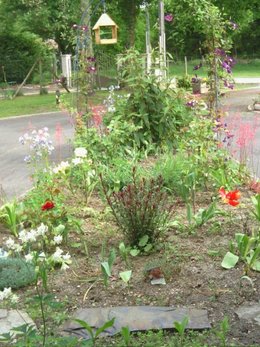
x=136, y=318
x=10, y=319
x=249, y=312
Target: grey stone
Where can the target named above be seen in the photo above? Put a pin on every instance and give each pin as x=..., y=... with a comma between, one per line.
x=136, y=318
x=157, y=281
x=249, y=312
x=10, y=319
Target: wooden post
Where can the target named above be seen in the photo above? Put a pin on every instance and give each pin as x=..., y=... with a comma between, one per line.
x=186, y=66
x=40, y=73
x=26, y=78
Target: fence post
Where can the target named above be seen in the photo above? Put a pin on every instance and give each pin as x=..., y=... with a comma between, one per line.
x=186, y=66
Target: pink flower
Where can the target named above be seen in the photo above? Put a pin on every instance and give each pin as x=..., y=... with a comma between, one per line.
x=168, y=17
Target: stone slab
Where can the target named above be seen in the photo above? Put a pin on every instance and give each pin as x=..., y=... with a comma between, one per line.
x=136, y=318
x=10, y=319
x=249, y=312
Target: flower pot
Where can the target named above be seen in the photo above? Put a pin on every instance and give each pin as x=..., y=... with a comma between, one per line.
x=196, y=87
x=257, y=106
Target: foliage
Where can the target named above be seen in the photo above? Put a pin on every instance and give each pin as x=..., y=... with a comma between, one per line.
x=156, y=111
x=15, y=273
x=10, y=215
x=248, y=248
x=184, y=82
x=92, y=333
x=140, y=209
x=106, y=266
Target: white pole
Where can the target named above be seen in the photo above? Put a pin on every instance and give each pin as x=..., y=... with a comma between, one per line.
x=162, y=40
x=148, y=41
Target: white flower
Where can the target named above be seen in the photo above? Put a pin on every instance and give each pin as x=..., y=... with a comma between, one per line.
x=42, y=256
x=10, y=243
x=14, y=299
x=58, y=239
x=23, y=236
x=31, y=235
x=81, y=152
x=61, y=167
x=28, y=257
x=64, y=266
x=6, y=293
x=77, y=161
x=56, y=257
x=67, y=258
x=42, y=230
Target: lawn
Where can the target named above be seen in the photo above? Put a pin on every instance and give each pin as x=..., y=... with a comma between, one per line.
x=241, y=69
x=34, y=104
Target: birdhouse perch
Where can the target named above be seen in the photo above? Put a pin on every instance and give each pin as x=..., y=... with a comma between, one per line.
x=105, y=30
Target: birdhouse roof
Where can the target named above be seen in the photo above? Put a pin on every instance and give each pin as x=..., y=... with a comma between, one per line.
x=104, y=21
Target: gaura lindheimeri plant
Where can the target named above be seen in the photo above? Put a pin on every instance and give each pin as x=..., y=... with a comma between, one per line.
x=231, y=197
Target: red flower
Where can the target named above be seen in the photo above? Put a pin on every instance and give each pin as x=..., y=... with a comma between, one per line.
x=231, y=197
x=47, y=206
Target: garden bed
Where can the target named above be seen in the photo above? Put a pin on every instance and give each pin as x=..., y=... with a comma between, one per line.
x=190, y=263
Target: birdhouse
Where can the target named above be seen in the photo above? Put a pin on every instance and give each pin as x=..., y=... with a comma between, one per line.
x=105, y=30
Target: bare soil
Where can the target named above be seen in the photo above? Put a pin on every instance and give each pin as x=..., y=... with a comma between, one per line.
x=190, y=263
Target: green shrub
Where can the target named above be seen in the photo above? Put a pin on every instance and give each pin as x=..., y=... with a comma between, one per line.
x=15, y=273
x=184, y=82
x=156, y=111
x=174, y=170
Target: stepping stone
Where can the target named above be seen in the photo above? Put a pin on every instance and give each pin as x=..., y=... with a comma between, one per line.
x=10, y=319
x=136, y=318
x=249, y=312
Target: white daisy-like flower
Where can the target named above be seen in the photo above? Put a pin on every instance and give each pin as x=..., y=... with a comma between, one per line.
x=42, y=230
x=80, y=152
x=58, y=239
x=77, y=161
x=10, y=243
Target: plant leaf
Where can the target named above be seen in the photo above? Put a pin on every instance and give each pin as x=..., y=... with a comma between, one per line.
x=106, y=268
x=107, y=325
x=126, y=275
x=229, y=260
x=143, y=241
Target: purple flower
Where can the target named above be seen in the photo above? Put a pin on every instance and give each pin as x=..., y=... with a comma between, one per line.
x=197, y=67
x=226, y=66
x=220, y=52
x=228, y=85
x=91, y=59
x=84, y=28
x=191, y=103
x=91, y=69
x=168, y=17
x=231, y=61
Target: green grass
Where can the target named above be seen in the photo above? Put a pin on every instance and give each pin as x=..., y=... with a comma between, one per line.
x=242, y=69
x=34, y=104
x=27, y=105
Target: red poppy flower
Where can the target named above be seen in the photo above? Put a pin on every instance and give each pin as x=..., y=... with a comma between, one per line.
x=47, y=206
x=231, y=197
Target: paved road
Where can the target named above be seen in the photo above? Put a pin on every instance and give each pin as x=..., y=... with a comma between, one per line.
x=245, y=126
x=15, y=173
